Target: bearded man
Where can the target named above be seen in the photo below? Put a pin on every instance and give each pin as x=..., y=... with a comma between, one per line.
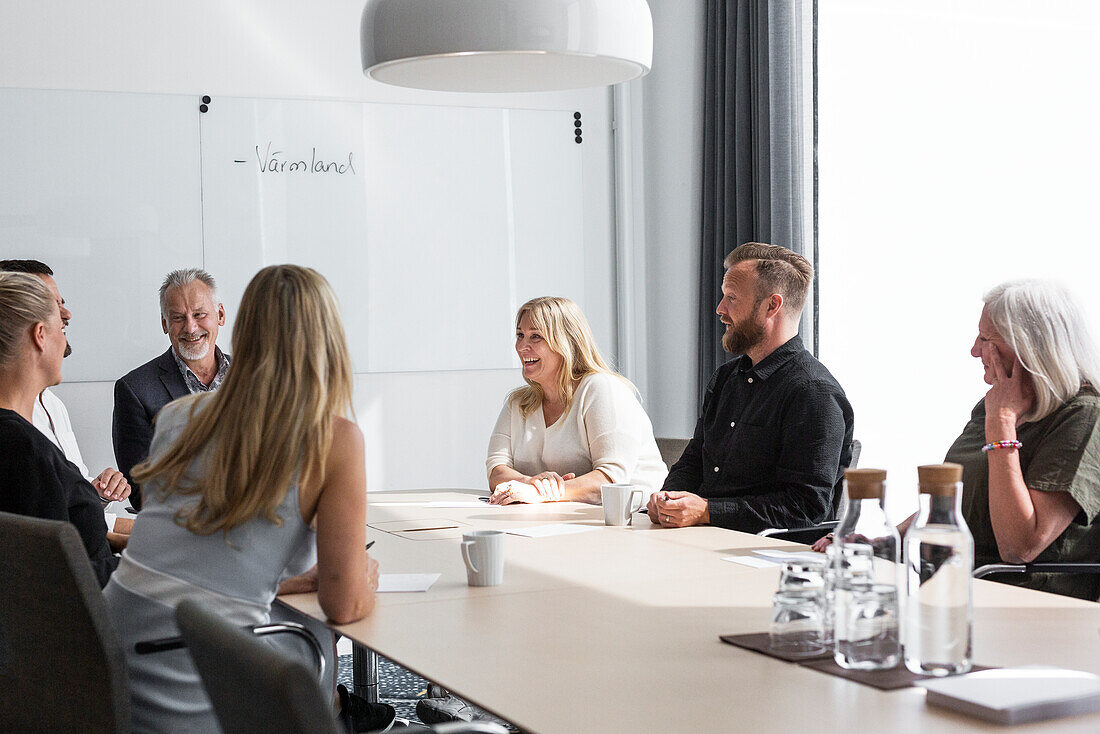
x=775, y=433
x=190, y=314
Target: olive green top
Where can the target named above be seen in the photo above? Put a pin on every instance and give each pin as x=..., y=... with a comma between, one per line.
x=1061, y=453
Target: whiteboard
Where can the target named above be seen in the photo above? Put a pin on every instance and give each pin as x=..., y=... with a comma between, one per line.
x=296, y=195
x=438, y=283
x=547, y=206
x=105, y=189
x=433, y=224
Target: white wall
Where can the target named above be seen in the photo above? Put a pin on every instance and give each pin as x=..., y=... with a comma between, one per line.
x=673, y=104
x=957, y=150
x=423, y=429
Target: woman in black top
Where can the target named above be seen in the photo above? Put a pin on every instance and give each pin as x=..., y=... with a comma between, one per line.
x=35, y=477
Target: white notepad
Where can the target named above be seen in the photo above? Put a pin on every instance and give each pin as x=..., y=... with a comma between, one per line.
x=1017, y=695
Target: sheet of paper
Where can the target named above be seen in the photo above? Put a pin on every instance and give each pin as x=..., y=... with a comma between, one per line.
x=752, y=561
x=395, y=582
x=784, y=556
x=545, y=531
x=110, y=517
x=474, y=504
x=468, y=504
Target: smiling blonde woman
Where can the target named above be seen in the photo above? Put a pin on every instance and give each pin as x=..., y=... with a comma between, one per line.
x=575, y=425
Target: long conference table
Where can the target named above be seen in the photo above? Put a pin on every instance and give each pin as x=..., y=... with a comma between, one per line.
x=616, y=630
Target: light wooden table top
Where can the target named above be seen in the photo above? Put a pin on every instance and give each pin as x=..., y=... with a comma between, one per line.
x=617, y=629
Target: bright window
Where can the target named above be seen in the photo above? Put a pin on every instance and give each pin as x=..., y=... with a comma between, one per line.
x=959, y=147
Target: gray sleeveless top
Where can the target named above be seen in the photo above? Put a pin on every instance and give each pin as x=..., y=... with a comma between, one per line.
x=234, y=574
x=247, y=563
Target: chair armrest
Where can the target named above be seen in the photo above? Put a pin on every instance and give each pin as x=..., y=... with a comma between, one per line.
x=164, y=644
x=799, y=535
x=983, y=571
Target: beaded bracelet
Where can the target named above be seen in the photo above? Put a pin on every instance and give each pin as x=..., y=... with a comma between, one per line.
x=1002, y=445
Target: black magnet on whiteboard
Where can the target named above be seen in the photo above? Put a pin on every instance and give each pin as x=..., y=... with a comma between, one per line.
x=579, y=139
x=576, y=123
x=576, y=115
x=206, y=99
x=203, y=108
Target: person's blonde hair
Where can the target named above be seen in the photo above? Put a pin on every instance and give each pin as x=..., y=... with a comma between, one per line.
x=565, y=329
x=271, y=422
x=24, y=301
x=1043, y=324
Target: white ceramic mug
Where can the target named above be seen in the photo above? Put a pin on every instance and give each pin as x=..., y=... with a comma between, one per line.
x=618, y=503
x=483, y=554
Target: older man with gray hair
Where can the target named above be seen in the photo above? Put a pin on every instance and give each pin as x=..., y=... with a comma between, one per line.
x=190, y=314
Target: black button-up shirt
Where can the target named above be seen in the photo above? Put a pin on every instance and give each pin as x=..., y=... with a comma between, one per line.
x=771, y=444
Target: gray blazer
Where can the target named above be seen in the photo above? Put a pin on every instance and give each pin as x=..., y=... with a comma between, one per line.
x=139, y=396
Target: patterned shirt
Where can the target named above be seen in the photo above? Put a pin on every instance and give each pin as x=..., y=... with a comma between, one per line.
x=194, y=384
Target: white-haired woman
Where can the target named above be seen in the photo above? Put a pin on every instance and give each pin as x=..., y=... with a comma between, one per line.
x=37, y=478
x=245, y=487
x=1031, y=450
x=575, y=425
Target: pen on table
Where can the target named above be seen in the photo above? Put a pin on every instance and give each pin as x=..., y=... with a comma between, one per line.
x=369, y=545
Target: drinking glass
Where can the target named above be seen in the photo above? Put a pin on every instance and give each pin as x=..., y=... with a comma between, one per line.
x=870, y=640
x=803, y=575
x=796, y=624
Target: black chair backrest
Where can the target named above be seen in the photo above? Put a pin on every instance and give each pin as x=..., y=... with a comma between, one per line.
x=671, y=449
x=252, y=686
x=61, y=663
x=838, y=489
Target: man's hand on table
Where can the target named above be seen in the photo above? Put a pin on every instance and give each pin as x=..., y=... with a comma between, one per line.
x=677, y=509
x=111, y=485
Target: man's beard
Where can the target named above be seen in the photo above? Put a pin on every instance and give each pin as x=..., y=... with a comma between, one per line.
x=193, y=353
x=743, y=336
x=68, y=349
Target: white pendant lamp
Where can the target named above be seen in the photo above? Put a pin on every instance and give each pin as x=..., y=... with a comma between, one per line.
x=506, y=45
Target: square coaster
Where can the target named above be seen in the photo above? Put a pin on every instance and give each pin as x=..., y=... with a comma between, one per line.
x=884, y=680
x=759, y=642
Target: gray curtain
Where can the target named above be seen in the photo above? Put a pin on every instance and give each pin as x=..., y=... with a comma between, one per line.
x=754, y=166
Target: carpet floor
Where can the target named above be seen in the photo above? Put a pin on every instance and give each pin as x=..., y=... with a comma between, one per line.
x=398, y=687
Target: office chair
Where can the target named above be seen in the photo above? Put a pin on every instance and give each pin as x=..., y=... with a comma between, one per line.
x=61, y=662
x=810, y=534
x=256, y=688
x=1030, y=568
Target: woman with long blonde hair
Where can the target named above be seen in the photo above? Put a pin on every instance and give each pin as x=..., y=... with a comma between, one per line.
x=245, y=487
x=576, y=424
